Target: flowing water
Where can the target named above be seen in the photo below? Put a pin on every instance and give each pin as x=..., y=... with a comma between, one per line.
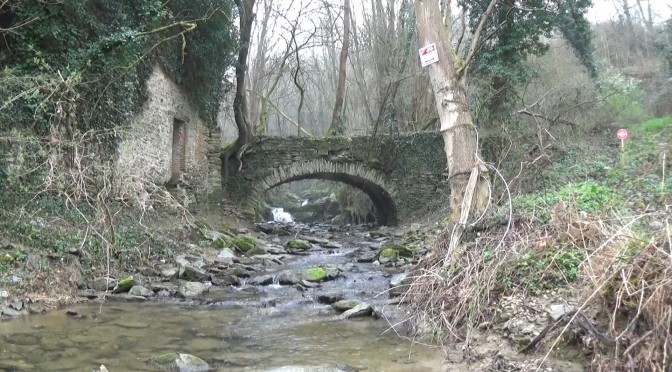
x=279, y=215
x=233, y=328
x=123, y=336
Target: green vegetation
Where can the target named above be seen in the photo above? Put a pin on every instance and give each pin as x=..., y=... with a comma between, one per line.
x=587, y=196
x=612, y=184
x=98, y=55
x=315, y=274
x=387, y=255
x=165, y=358
x=124, y=285
x=546, y=269
x=299, y=244
x=245, y=243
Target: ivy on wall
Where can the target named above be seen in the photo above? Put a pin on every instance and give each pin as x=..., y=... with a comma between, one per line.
x=95, y=56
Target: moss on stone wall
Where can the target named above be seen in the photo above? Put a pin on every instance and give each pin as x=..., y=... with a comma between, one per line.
x=412, y=164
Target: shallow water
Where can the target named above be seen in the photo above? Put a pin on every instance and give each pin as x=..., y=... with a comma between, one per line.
x=123, y=336
x=248, y=328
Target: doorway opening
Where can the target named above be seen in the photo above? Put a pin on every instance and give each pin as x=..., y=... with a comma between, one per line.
x=178, y=165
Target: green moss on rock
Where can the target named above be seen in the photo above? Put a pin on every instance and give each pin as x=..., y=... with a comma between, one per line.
x=254, y=251
x=400, y=249
x=223, y=241
x=6, y=258
x=315, y=274
x=124, y=285
x=299, y=244
x=387, y=255
x=165, y=358
x=245, y=242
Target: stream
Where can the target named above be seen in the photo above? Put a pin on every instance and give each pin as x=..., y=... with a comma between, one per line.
x=260, y=323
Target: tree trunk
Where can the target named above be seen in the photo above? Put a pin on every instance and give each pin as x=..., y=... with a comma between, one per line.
x=240, y=100
x=459, y=134
x=337, y=126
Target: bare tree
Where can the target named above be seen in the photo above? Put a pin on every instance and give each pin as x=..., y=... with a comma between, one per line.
x=336, y=126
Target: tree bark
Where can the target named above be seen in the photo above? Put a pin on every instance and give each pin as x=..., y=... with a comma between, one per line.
x=240, y=108
x=336, y=126
x=457, y=129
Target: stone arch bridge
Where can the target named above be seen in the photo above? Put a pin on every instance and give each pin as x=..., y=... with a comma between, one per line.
x=404, y=175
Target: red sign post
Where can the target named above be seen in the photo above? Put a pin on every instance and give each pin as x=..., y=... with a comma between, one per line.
x=622, y=134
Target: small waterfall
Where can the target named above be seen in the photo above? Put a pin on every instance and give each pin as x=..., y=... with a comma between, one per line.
x=276, y=282
x=279, y=215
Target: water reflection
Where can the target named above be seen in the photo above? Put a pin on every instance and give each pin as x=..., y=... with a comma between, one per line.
x=123, y=336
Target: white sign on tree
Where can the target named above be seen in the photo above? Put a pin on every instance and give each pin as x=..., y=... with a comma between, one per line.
x=428, y=55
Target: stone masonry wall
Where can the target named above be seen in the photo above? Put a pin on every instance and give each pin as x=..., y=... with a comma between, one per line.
x=411, y=166
x=146, y=152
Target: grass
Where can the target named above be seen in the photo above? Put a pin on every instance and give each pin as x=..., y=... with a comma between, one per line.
x=593, y=229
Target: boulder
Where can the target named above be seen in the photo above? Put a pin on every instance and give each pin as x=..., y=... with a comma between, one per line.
x=168, y=272
x=261, y=280
x=299, y=244
x=226, y=253
x=245, y=242
x=329, y=298
x=124, y=285
x=387, y=255
x=125, y=297
x=288, y=278
x=103, y=283
x=190, y=260
x=362, y=309
x=190, y=289
x=189, y=272
x=139, y=290
x=314, y=274
x=180, y=362
x=344, y=305
x=256, y=251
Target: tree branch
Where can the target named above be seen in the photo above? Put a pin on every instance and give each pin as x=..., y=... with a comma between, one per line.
x=474, y=42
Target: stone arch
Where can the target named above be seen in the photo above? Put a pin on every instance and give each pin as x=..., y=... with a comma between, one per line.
x=370, y=181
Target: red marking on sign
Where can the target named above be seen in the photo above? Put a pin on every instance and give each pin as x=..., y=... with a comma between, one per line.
x=622, y=134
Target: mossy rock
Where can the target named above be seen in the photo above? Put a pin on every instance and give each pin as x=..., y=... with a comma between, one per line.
x=5, y=258
x=315, y=274
x=223, y=241
x=124, y=285
x=245, y=242
x=387, y=255
x=255, y=251
x=299, y=244
x=402, y=250
x=179, y=362
x=165, y=358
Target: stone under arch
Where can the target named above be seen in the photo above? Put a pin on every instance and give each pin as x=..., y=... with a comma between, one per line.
x=370, y=181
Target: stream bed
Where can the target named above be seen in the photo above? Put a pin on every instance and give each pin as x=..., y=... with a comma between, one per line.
x=255, y=324
x=124, y=336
